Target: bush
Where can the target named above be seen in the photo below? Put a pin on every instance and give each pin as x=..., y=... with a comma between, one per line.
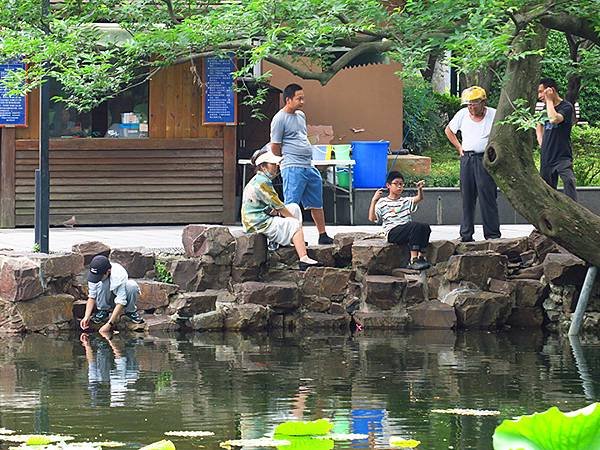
x=586, y=155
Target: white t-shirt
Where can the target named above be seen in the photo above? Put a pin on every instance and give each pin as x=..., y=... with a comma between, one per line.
x=475, y=135
x=392, y=213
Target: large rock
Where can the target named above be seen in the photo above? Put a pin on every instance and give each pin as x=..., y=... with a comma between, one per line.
x=507, y=288
x=526, y=317
x=511, y=248
x=44, y=313
x=435, y=277
x=283, y=258
x=383, y=291
x=378, y=257
x=440, y=251
x=477, y=267
x=432, y=314
x=542, y=245
x=198, y=274
x=326, y=282
x=247, y=317
x=382, y=320
x=154, y=294
x=161, y=322
x=90, y=249
x=564, y=269
x=209, y=240
x=20, y=279
x=469, y=247
x=322, y=321
x=279, y=296
x=322, y=253
x=529, y=293
x=315, y=303
x=208, y=321
x=187, y=304
x=137, y=262
x=415, y=292
x=250, y=257
x=59, y=265
x=533, y=273
x=343, y=247
x=481, y=310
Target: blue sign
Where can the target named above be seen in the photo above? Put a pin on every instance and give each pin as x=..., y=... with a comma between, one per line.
x=219, y=94
x=13, y=108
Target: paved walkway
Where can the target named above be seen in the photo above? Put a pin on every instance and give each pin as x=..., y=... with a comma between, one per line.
x=169, y=237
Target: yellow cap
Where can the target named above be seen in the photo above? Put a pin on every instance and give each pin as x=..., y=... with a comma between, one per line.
x=473, y=94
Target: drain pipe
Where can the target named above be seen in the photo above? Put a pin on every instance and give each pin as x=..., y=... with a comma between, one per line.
x=439, y=210
x=582, y=302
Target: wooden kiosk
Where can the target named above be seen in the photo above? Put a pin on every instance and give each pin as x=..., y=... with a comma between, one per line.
x=183, y=172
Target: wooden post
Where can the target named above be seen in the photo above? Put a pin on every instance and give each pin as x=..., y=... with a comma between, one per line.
x=7, y=178
x=229, y=178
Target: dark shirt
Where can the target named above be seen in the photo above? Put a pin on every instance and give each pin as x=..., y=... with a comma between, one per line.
x=556, y=141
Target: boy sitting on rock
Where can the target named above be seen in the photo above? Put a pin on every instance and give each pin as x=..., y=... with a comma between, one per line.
x=394, y=213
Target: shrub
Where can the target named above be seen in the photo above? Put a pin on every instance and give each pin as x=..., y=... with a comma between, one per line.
x=586, y=155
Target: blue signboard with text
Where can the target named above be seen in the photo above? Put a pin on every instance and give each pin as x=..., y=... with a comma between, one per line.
x=219, y=93
x=13, y=108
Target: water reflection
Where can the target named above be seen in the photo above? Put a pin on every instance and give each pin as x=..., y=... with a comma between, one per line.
x=382, y=384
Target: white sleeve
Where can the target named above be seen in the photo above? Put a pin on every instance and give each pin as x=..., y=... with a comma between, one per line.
x=93, y=290
x=121, y=294
x=456, y=121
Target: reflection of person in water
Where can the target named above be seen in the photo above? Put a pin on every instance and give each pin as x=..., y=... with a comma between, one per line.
x=103, y=373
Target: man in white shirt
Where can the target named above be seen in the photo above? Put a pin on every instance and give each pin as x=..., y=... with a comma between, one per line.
x=475, y=123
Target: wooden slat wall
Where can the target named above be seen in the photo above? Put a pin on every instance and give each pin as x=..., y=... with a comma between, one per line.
x=129, y=181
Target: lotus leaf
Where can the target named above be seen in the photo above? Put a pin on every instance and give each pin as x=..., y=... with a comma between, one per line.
x=260, y=442
x=551, y=430
x=160, y=445
x=6, y=431
x=397, y=441
x=305, y=443
x=310, y=428
x=35, y=439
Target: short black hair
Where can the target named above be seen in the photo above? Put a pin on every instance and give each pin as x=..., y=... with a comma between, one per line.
x=290, y=90
x=549, y=83
x=393, y=176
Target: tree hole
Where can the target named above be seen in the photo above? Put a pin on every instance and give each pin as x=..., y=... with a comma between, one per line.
x=491, y=154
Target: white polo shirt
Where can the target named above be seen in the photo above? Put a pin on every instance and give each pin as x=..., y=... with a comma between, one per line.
x=475, y=135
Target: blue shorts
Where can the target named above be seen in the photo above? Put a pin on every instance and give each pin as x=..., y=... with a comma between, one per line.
x=302, y=185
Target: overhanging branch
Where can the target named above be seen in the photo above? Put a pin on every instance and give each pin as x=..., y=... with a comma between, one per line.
x=572, y=25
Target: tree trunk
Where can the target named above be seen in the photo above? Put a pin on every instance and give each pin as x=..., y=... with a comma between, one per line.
x=508, y=158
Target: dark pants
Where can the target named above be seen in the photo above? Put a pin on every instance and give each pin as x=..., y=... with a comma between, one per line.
x=564, y=169
x=475, y=182
x=415, y=234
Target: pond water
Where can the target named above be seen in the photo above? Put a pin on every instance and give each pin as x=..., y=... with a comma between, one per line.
x=133, y=389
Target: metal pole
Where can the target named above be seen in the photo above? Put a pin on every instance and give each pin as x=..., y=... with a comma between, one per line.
x=584, y=372
x=42, y=223
x=584, y=296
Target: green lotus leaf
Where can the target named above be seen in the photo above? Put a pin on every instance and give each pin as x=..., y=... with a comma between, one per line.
x=311, y=428
x=160, y=445
x=305, y=443
x=551, y=430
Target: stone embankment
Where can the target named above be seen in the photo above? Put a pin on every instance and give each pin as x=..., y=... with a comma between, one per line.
x=231, y=282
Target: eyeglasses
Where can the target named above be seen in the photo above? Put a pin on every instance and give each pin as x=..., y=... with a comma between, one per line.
x=397, y=183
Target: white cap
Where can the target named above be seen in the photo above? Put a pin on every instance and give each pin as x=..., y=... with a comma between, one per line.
x=268, y=157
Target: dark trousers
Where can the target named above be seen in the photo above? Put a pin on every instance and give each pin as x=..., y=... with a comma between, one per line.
x=475, y=182
x=415, y=234
x=564, y=169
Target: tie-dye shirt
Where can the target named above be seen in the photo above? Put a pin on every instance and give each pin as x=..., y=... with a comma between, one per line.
x=259, y=198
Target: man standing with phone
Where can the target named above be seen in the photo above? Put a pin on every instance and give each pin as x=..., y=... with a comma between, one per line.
x=554, y=138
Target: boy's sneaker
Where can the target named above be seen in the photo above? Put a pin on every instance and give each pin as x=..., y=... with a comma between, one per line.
x=324, y=239
x=134, y=317
x=273, y=246
x=424, y=263
x=100, y=317
x=419, y=264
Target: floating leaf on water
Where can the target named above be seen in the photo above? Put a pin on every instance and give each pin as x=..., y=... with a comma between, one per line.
x=310, y=428
x=107, y=444
x=6, y=431
x=260, y=442
x=397, y=441
x=35, y=439
x=306, y=443
x=467, y=412
x=552, y=429
x=60, y=446
x=189, y=433
x=160, y=445
x=344, y=437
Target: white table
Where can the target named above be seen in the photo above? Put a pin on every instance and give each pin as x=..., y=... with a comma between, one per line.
x=322, y=166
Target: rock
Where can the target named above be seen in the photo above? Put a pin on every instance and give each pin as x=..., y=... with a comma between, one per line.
x=511, y=248
x=315, y=303
x=336, y=309
x=322, y=321
x=249, y=258
x=208, y=321
x=382, y=320
x=135, y=262
x=351, y=301
x=440, y=251
x=383, y=291
x=283, y=258
x=542, y=245
x=90, y=249
x=162, y=322
x=591, y=322
x=20, y=279
x=343, y=247
x=526, y=317
x=507, y=288
x=187, y=304
x=469, y=247
x=198, y=274
x=154, y=294
x=211, y=240
x=59, y=265
x=476, y=267
x=279, y=296
x=564, y=269
x=414, y=292
x=435, y=276
x=326, y=282
x=247, y=317
x=432, y=314
x=482, y=310
x=323, y=254
x=447, y=290
x=378, y=257
x=529, y=293
x=533, y=272
x=289, y=275
x=78, y=309
x=528, y=258
x=44, y=313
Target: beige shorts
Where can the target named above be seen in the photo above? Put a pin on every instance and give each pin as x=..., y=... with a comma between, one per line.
x=282, y=229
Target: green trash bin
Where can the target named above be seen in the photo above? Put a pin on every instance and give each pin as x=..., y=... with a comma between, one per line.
x=342, y=176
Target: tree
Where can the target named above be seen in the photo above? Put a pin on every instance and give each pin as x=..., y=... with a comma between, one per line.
x=331, y=34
